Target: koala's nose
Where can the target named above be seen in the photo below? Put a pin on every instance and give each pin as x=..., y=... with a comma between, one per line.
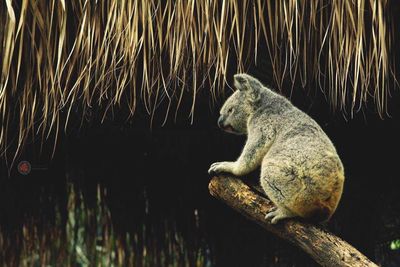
x=220, y=122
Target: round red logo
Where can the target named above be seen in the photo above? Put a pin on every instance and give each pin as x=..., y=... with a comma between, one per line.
x=24, y=167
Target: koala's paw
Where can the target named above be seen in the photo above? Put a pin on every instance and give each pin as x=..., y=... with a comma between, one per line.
x=218, y=167
x=278, y=214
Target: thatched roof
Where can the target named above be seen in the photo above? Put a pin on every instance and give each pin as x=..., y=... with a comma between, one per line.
x=57, y=55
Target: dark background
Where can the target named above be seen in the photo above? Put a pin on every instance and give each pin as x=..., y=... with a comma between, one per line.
x=159, y=174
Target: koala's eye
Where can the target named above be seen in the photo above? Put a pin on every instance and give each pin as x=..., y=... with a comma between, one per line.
x=230, y=110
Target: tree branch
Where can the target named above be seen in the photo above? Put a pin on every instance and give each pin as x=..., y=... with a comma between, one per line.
x=324, y=247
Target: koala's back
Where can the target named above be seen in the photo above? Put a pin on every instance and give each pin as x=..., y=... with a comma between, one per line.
x=302, y=170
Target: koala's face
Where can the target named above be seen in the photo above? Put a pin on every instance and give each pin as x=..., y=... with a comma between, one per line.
x=234, y=114
x=241, y=104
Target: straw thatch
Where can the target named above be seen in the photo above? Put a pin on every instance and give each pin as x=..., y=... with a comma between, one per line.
x=59, y=55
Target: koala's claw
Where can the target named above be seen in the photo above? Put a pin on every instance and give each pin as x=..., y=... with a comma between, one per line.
x=218, y=167
x=214, y=164
x=271, y=216
x=278, y=214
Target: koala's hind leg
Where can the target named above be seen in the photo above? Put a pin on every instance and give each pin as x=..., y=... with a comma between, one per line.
x=281, y=185
x=279, y=214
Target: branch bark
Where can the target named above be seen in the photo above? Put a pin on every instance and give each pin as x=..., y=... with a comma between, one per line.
x=324, y=247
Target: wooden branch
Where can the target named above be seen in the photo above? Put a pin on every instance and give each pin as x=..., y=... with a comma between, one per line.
x=324, y=247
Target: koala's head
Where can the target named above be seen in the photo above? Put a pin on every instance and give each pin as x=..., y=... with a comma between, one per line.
x=240, y=105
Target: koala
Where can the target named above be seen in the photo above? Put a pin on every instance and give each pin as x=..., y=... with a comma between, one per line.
x=301, y=171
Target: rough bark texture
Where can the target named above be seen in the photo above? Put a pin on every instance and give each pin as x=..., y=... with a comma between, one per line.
x=324, y=247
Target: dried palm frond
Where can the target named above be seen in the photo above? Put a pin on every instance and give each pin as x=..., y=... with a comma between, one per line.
x=56, y=56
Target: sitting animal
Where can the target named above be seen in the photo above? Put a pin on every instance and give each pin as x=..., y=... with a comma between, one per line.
x=301, y=171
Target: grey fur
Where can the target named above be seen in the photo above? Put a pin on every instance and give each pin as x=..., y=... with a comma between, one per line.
x=301, y=171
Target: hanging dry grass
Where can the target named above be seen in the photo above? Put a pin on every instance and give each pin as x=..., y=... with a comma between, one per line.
x=344, y=45
x=59, y=55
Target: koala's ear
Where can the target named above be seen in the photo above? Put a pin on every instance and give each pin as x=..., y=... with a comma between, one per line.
x=241, y=81
x=249, y=85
